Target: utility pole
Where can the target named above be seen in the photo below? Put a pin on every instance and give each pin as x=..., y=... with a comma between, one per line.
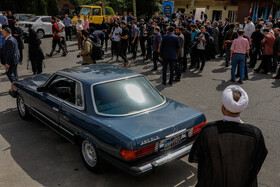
x=134, y=8
x=103, y=7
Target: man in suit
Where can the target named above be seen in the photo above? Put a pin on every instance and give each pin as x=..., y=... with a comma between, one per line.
x=126, y=18
x=168, y=53
x=10, y=55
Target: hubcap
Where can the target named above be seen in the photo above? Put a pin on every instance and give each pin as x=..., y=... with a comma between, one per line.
x=89, y=153
x=40, y=34
x=21, y=106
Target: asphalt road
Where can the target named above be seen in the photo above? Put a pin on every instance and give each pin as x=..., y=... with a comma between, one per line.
x=31, y=154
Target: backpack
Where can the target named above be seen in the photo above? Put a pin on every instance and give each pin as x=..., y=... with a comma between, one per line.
x=97, y=52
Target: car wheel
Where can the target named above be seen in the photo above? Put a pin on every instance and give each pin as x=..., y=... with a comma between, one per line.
x=22, y=109
x=40, y=34
x=90, y=156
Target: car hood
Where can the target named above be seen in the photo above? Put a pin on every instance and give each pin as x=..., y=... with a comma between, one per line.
x=35, y=81
x=157, y=124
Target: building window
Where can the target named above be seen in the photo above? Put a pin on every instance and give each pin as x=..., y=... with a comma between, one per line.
x=232, y=15
x=217, y=15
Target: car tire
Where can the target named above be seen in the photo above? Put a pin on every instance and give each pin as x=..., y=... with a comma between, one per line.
x=40, y=33
x=22, y=109
x=90, y=156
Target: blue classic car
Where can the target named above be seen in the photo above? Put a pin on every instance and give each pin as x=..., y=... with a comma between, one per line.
x=112, y=114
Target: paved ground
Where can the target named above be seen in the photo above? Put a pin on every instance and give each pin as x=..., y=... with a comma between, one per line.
x=33, y=155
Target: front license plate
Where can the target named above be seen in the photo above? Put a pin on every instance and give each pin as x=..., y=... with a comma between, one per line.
x=169, y=143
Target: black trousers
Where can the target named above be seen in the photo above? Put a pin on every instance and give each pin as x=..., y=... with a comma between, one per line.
x=200, y=56
x=149, y=48
x=20, y=55
x=178, y=68
x=36, y=66
x=68, y=32
x=155, y=59
x=115, y=48
x=185, y=60
x=266, y=63
x=57, y=42
x=193, y=55
x=123, y=51
x=171, y=63
x=142, y=45
x=134, y=47
x=12, y=73
x=254, y=57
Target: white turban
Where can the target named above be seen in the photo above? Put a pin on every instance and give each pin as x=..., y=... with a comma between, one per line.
x=230, y=104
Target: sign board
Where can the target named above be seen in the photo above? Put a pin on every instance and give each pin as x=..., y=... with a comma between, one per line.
x=167, y=8
x=198, y=13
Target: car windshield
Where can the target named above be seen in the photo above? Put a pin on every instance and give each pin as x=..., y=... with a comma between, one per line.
x=85, y=11
x=33, y=19
x=24, y=17
x=127, y=96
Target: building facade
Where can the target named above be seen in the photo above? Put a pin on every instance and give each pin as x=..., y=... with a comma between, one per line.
x=215, y=9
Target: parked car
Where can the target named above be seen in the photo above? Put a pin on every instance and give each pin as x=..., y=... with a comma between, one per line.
x=23, y=17
x=112, y=114
x=41, y=24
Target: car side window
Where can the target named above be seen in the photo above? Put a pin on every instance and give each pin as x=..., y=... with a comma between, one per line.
x=63, y=88
x=79, y=95
x=96, y=12
x=46, y=20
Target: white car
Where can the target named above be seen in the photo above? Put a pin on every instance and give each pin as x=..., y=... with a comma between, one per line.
x=23, y=17
x=41, y=24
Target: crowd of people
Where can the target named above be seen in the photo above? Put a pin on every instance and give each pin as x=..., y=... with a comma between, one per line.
x=179, y=42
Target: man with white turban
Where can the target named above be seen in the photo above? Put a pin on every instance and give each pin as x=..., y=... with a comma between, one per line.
x=229, y=152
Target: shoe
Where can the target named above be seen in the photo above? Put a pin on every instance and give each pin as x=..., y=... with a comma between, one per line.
x=276, y=77
x=49, y=55
x=200, y=70
x=240, y=82
x=155, y=69
x=127, y=64
x=177, y=80
x=191, y=67
x=246, y=78
x=64, y=54
x=170, y=83
x=58, y=51
x=232, y=80
x=70, y=39
x=164, y=83
x=197, y=67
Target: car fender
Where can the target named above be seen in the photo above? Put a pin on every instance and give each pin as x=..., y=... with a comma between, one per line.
x=83, y=136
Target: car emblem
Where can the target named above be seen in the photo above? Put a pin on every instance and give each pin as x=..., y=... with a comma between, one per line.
x=175, y=129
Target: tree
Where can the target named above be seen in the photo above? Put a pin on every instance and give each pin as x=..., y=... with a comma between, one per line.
x=52, y=7
x=41, y=7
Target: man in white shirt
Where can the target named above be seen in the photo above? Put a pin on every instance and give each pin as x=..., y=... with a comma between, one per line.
x=62, y=33
x=249, y=27
x=116, y=31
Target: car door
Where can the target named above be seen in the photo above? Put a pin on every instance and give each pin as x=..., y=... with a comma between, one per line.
x=47, y=25
x=96, y=17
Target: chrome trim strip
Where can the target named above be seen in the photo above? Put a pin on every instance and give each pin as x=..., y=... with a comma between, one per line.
x=57, y=125
x=176, y=133
x=167, y=158
x=123, y=115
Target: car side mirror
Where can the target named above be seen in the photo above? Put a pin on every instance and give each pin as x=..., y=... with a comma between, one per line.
x=41, y=89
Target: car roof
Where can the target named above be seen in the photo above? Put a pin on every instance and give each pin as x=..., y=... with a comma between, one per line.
x=97, y=73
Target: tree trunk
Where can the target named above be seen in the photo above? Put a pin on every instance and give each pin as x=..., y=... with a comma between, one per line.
x=134, y=8
x=103, y=7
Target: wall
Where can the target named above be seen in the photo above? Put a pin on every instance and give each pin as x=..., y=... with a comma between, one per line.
x=209, y=11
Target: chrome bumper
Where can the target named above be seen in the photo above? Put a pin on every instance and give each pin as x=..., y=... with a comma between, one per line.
x=164, y=159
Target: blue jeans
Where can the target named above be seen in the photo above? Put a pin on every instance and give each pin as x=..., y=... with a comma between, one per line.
x=240, y=60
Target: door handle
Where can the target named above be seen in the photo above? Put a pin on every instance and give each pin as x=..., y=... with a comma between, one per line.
x=55, y=109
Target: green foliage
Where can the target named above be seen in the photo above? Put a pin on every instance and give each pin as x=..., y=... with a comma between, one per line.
x=41, y=7
x=52, y=7
x=109, y=10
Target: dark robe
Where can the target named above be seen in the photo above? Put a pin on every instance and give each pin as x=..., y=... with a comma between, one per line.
x=229, y=154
